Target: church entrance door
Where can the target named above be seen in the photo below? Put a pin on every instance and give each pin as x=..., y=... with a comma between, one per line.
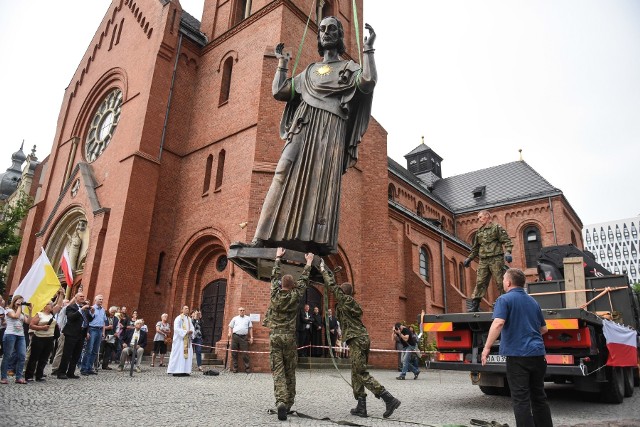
x=213, y=299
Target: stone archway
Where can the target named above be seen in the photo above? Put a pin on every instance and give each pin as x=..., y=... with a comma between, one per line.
x=73, y=233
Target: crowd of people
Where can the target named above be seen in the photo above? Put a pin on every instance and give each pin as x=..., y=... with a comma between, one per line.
x=74, y=334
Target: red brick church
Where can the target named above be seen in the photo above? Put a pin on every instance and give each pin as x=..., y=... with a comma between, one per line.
x=166, y=144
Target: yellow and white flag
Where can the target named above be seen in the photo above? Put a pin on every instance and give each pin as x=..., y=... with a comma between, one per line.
x=40, y=284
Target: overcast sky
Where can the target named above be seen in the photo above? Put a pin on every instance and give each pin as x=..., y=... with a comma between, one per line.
x=559, y=79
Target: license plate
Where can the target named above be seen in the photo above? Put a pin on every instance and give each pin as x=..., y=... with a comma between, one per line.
x=496, y=358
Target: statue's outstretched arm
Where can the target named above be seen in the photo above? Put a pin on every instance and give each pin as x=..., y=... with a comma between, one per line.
x=281, y=87
x=369, y=75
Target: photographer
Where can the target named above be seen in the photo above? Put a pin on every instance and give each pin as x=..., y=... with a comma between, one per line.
x=409, y=343
x=43, y=324
x=78, y=317
x=13, y=341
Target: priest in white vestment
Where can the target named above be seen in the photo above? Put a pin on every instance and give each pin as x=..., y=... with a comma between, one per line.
x=181, y=360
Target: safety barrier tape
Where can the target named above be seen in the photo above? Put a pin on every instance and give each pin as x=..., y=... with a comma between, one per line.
x=379, y=350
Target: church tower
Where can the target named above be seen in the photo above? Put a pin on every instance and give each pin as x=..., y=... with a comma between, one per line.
x=424, y=163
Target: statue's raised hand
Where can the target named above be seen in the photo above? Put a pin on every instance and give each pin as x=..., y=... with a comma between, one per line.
x=280, y=55
x=368, y=40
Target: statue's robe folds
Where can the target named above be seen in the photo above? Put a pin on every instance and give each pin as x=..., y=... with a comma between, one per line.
x=323, y=123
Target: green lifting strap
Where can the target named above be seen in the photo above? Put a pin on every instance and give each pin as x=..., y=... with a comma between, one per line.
x=357, y=26
x=295, y=64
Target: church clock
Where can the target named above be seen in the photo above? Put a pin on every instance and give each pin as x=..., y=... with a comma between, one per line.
x=103, y=125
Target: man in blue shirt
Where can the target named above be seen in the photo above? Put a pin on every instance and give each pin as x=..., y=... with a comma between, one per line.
x=518, y=320
x=96, y=334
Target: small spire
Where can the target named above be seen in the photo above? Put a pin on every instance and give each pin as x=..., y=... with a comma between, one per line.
x=422, y=139
x=520, y=151
x=22, y=145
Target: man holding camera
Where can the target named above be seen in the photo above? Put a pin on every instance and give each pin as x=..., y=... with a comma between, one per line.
x=78, y=317
x=488, y=245
x=408, y=341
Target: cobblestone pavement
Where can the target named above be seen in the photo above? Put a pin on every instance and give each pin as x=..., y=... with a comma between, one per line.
x=437, y=398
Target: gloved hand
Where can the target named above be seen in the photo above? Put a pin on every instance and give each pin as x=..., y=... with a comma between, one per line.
x=508, y=257
x=467, y=262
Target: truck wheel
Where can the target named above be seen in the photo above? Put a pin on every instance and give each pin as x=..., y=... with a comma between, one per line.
x=628, y=381
x=613, y=390
x=495, y=391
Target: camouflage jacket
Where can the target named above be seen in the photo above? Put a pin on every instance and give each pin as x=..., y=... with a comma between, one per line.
x=283, y=305
x=348, y=311
x=488, y=241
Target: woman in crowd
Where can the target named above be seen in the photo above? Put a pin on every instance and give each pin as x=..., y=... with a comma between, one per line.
x=163, y=331
x=13, y=342
x=110, y=338
x=43, y=325
x=196, y=319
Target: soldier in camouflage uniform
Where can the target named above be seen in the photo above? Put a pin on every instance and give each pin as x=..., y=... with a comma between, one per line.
x=488, y=244
x=349, y=313
x=281, y=319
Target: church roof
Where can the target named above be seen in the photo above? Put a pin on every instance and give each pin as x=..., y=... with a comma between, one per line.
x=190, y=27
x=414, y=181
x=494, y=186
x=418, y=149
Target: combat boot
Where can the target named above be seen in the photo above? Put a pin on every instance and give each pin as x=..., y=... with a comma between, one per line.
x=282, y=411
x=475, y=305
x=391, y=403
x=361, y=409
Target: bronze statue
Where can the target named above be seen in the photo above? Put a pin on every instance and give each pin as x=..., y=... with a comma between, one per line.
x=327, y=113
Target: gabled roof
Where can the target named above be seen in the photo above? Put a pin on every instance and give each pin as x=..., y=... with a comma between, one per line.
x=504, y=184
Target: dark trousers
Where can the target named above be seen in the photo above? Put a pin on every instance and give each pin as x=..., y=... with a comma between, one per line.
x=1, y=338
x=240, y=342
x=109, y=352
x=71, y=354
x=304, y=339
x=526, y=381
x=40, y=350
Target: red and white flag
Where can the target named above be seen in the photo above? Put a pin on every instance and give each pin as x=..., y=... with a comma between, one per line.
x=67, y=270
x=621, y=343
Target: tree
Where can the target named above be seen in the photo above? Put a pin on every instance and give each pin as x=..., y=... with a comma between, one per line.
x=11, y=216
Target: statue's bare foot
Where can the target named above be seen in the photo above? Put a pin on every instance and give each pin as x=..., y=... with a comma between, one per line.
x=254, y=244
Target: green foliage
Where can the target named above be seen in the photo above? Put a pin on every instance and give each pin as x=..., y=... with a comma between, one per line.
x=11, y=217
x=636, y=287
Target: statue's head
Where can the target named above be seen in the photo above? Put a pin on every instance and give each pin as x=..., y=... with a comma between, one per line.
x=330, y=35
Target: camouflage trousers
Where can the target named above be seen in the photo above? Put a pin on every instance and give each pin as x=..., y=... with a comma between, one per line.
x=360, y=378
x=487, y=267
x=283, y=359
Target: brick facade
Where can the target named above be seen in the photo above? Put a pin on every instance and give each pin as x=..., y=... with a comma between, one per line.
x=149, y=196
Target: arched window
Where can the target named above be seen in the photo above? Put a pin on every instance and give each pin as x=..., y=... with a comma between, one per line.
x=420, y=210
x=463, y=282
x=425, y=267
x=220, y=171
x=573, y=238
x=391, y=192
x=241, y=11
x=207, y=174
x=225, y=85
x=532, y=245
x=324, y=8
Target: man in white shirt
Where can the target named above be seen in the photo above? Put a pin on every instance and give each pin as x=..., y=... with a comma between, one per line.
x=239, y=329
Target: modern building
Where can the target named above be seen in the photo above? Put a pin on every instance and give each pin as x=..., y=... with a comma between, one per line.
x=615, y=245
x=167, y=142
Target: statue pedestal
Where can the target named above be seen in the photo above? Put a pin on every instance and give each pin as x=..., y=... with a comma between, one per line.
x=258, y=263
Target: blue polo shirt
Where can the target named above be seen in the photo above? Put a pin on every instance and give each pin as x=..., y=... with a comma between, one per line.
x=523, y=318
x=99, y=317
